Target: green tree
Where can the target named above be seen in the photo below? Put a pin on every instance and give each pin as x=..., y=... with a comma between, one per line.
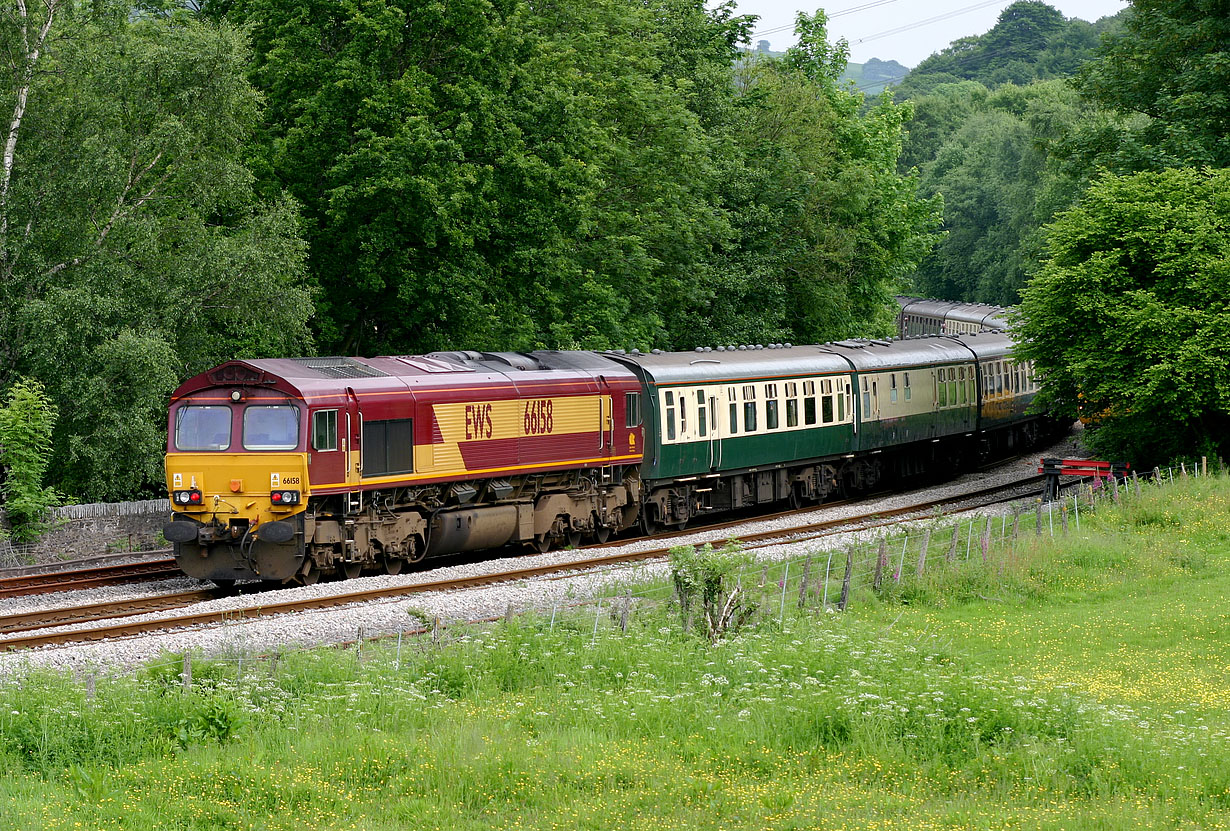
x=1127, y=319
x=1170, y=65
x=133, y=251
x=825, y=229
x=26, y=422
x=999, y=182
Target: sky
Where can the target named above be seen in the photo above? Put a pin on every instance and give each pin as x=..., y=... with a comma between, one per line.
x=906, y=31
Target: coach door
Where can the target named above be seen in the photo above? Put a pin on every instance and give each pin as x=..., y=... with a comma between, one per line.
x=715, y=441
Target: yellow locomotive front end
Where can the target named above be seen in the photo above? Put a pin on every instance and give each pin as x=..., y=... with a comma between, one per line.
x=237, y=477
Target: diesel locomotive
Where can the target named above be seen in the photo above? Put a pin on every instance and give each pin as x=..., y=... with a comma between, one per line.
x=288, y=469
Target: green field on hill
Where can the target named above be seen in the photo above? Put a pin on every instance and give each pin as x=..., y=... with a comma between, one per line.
x=1075, y=683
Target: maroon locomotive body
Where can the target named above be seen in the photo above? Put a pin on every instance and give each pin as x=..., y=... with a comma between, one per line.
x=289, y=468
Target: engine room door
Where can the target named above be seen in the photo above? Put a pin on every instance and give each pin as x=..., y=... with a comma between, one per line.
x=351, y=443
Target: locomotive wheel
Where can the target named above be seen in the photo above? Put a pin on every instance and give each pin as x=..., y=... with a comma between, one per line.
x=648, y=525
x=542, y=543
x=602, y=533
x=351, y=570
x=393, y=565
x=574, y=539
x=309, y=578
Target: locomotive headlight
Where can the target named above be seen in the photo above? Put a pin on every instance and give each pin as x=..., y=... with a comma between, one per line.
x=190, y=497
x=283, y=498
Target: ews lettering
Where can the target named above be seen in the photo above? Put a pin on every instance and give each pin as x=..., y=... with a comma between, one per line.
x=539, y=417
x=478, y=421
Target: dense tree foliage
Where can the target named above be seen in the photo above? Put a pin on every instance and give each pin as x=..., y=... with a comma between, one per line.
x=1128, y=318
x=575, y=174
x=997, y=170
x=132, y=249
x=1170, y=65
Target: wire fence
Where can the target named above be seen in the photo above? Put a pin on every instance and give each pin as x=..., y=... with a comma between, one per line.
x=783, y=592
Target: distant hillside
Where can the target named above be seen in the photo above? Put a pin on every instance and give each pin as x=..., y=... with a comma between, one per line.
x=870, y=77
x=1031, y=41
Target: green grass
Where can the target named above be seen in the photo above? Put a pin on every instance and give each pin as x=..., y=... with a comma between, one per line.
x=1092, y=692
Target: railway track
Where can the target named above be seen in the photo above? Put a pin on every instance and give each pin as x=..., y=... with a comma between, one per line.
x=25, y=631
x=88, y=578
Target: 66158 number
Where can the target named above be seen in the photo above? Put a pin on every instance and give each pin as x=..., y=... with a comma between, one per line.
x=539, y=417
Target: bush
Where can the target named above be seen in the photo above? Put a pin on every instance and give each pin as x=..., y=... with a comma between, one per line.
x=701, y=577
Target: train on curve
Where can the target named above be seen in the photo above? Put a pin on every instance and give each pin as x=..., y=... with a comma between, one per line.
x=289, y=469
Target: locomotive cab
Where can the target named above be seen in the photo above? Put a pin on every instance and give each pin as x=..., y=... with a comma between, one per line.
x=237, y=477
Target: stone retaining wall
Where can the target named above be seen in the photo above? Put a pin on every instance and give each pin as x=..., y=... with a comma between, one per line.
x=79, y=531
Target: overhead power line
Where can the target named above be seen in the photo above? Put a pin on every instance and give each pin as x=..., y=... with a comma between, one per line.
x=899, y=29
x=911, y=26
x=864, y=7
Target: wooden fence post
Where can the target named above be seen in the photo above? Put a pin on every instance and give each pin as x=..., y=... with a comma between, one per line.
x=845, y=582
x=952, y=546
x=922, y=554
x=1038, y=518
x=186, y=674
x=804, y=581
x=881, y=559
x=985, y=542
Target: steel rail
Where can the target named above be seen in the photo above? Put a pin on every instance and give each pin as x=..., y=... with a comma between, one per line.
x=87, y=578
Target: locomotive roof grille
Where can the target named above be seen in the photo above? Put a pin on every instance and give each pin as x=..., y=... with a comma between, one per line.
x=340, y=368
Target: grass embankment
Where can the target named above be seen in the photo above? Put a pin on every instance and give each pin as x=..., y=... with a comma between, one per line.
x=1090, y=691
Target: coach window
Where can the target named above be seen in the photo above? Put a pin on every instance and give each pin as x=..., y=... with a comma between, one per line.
x=734, y=410
x=809, y=402
x=892, y=388
x=826, y=402
x=749, y=408
x=941, y=389
x=770, y=406
x=324, y=430
x=792, y=404
x=683, y=415
x=961, y=396
x=952, y=386
x=843, y=403
x=670, y=415
x=999, y=378
x=270, y=427
x=203, y=428
x=632, y=409
x=905, y=384
x=702, y=413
